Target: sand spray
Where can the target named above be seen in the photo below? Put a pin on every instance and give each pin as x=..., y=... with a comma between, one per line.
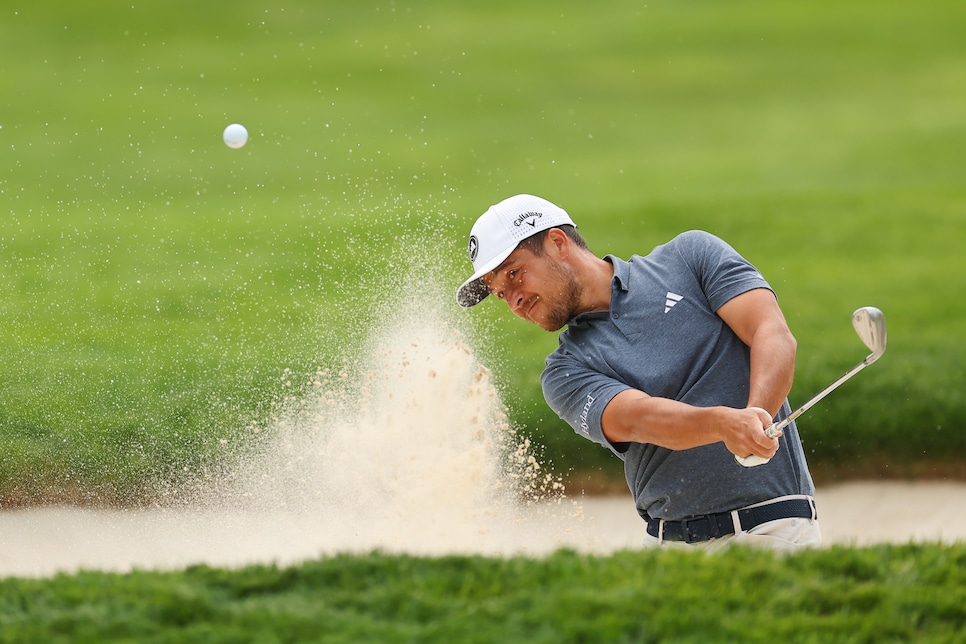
x=404, y=445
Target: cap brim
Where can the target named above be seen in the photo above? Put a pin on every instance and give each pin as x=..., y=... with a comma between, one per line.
x=473, y=291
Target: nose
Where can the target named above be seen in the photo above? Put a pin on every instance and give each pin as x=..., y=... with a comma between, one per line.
x=514, y=300
x=516, y=297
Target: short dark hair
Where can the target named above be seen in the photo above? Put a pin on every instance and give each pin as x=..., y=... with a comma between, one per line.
x=534, y=243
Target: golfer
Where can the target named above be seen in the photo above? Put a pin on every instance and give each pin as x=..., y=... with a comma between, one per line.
x=676, y=362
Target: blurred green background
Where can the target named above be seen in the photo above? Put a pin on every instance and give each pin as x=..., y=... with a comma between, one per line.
x=155, y=285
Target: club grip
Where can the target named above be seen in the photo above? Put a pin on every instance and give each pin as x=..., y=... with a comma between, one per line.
x=751, y=461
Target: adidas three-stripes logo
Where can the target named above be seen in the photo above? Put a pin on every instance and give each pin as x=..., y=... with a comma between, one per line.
x=672, y=299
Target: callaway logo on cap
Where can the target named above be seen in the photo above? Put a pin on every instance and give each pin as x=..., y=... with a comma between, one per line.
x=497, y=233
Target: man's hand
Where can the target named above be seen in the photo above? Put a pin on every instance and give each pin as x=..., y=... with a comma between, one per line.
x=743, y=433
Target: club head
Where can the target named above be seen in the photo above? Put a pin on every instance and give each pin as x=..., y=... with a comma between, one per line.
x=869, y=323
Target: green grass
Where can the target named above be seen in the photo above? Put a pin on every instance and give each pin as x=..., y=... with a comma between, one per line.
x=155, y=284
x=882, y=594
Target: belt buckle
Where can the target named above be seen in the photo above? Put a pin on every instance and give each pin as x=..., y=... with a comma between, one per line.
x=700, y=532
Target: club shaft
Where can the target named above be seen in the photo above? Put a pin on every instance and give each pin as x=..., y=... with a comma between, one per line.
x=780, y=425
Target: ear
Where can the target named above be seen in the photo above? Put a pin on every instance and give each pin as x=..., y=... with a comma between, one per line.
x=557, y=243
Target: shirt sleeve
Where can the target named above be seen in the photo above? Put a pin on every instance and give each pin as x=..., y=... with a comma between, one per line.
x=721, y=271
x=579, y=395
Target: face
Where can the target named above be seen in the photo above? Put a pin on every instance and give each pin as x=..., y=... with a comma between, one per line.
x=537, y=288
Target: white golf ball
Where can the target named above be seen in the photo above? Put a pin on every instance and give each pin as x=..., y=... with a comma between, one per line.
x=235, y=135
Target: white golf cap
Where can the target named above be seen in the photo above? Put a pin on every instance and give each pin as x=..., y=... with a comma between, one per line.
x=497, y=233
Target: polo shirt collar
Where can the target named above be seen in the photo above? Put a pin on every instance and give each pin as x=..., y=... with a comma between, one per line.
x=621, y=271
x=621, y=281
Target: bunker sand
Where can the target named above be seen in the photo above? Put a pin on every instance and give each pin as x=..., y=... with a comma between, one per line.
x=42, y=542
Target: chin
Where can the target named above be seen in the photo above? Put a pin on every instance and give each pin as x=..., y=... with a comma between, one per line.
x=550, y=325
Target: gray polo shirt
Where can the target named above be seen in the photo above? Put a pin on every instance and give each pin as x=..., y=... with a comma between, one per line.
x=663, y=337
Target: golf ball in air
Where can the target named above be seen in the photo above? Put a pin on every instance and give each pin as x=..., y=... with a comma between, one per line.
x=235, y=135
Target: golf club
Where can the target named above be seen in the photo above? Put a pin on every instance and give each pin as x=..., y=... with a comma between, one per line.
x=869, y=324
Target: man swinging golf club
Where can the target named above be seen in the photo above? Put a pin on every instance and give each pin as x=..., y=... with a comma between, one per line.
x=676, y=362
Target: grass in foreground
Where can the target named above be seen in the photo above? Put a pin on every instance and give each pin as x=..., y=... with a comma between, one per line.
x=881, y=594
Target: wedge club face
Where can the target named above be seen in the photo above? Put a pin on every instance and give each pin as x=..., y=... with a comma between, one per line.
x=869, y=324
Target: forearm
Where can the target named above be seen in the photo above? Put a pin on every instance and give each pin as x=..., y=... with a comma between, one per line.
x=757, y=320
x=635, y=417
x=773, y=351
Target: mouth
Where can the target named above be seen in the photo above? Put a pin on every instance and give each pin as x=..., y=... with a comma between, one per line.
x=533, y=303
